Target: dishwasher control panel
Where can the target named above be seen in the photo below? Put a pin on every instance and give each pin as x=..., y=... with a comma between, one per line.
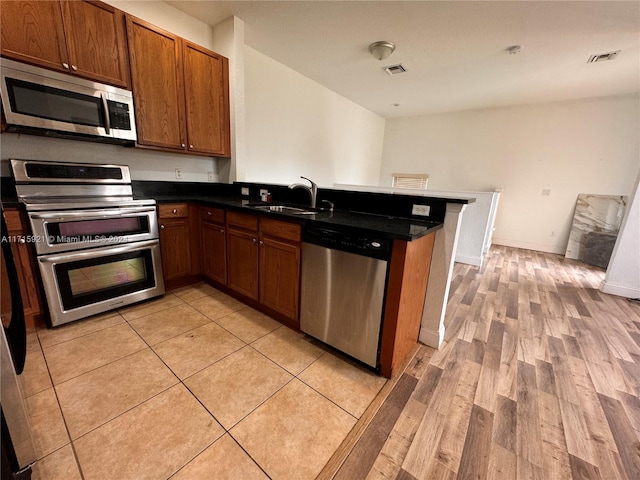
x=348, y=242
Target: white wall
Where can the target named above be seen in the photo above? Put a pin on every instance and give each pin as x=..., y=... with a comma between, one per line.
x=295, y=126
x=623, y=273
x=583, y=146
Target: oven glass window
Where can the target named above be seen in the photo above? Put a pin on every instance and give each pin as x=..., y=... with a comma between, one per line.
x=84, y=282
x=93, y=230
x=54, y=104
x=107, y=275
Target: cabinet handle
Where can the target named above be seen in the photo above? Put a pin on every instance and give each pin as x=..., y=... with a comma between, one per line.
x=261, y=243
x=161, y=227
x=209, y=213
x=65, y=65
x=22, y=240
x=191, y=147
x=222, y=230
x=174, y=211
x=255, y=240
x=182, y=145
x=74, y=68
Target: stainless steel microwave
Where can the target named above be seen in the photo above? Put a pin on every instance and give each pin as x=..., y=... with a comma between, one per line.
x=40, y=101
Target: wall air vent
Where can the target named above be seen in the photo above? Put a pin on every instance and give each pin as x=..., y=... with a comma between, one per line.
x=603, y=57
x=395, y=69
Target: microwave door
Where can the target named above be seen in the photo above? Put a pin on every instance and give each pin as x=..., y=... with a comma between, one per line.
x=48, y=107
x=39, y=101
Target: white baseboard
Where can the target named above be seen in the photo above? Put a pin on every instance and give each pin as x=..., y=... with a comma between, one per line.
x=469, y=260
x=620, y=290
x=431, y=338
x=538, y=247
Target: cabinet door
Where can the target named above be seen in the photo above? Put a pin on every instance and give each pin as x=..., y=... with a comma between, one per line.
x=280, y=276
x=206, y=80
x=214, y=252
x=33, y=32
x=24, y=259
x=175, y=249
x=96, y=41
x=156, y=79
x=242, y=262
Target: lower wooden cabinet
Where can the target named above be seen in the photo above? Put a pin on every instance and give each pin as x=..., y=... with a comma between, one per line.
x=179, y=243
x=24, y=259
x=213, y=244
x=280, y=276
x=280, y=266
x=174, y=245
x=263, y=261
x=242, y=267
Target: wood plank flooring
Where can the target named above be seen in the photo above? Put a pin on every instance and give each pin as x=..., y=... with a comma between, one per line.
x=538, y=378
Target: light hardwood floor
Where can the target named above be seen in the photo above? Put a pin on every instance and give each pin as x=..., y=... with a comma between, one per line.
x=538, y=378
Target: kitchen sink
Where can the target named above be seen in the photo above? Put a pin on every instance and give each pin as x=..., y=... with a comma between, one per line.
x=285, y=209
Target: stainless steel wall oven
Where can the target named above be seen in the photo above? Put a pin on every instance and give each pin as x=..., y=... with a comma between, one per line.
x=97, y=246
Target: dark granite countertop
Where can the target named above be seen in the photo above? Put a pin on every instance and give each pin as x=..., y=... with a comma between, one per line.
x=385, y=226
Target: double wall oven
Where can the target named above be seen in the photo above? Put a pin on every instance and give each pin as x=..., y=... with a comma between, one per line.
x=97, y=247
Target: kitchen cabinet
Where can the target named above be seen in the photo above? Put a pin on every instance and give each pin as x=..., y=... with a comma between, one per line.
x=263, y=261
x=280, y=266
x=214, y=244
x=25, y=266
x=206, y=88
x=180, y=257
x=85, y=38
x=242, y=253
x=180, y=90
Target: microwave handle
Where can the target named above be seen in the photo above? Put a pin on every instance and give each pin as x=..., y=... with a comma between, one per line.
x=107, y=119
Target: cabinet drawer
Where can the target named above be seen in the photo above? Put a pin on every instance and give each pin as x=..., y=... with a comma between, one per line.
x=279, y=229
x=173, y=210
x=247, y=221
x=211, y=214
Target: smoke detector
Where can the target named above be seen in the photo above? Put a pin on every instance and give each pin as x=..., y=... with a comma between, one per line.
x=395, y=69
x=603, y=57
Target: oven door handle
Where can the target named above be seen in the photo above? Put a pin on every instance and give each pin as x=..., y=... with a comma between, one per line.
x=98, y=252
x=83, y=214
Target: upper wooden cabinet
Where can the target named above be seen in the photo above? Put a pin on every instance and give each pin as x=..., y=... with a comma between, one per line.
x=206, y=88
x=158, y=93
x=180, y=90
x=84, y=38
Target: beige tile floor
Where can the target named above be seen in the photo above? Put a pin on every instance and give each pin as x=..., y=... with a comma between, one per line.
x=192, y=386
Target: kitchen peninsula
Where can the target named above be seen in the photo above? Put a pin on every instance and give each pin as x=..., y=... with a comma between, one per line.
x=420, y=264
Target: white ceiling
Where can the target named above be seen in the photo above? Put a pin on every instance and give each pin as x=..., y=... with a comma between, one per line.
x=454, y=51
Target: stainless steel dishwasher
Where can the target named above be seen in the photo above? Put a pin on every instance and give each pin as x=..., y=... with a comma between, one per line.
x=342, y=293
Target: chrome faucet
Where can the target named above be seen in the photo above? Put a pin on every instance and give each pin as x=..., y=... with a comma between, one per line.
x=313, y=190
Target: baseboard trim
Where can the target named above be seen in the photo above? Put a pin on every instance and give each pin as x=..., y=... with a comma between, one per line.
x=538, y=247
x=432, y=338
x=620, y=290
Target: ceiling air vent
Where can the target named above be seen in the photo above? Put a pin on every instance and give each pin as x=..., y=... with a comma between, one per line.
x=395, y=69
x=603, y=57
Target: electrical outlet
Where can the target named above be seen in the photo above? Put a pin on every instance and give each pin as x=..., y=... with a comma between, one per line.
x=211, y=176
x=422, y=210
x=244, y=190
x=263, y=191
x=178, y=173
